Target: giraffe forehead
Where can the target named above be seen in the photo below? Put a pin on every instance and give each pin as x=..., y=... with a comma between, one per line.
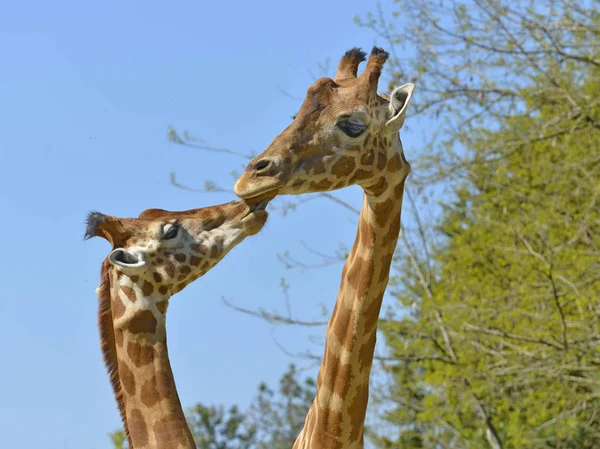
x=145, y=236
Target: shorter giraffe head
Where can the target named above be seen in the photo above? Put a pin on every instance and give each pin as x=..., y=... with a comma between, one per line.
x=344, y=134
x=155, y=256
x=164, y=251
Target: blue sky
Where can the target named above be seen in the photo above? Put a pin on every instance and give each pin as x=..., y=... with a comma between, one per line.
x=87, y=92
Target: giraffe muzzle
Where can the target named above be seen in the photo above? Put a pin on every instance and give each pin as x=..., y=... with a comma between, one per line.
x=125, y=259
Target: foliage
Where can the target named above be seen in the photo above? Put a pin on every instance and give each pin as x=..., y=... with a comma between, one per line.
x=214, y=427
x=498, y=344
x=279, y=417
x=272, y=421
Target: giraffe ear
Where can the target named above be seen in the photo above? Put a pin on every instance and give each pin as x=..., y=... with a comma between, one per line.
x=397, y=108
x=105, y=226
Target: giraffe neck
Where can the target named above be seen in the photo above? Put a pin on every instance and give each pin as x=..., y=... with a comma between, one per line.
x=153, y=414
x=337, y=415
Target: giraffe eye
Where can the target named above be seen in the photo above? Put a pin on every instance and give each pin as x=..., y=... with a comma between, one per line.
x=352, y=127
x=171, y=233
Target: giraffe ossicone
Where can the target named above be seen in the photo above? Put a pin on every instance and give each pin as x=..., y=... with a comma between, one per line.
x=344, y=134
x=155, y=256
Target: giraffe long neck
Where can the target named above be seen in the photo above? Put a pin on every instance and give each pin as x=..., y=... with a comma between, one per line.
x=337, y=415
x=154, y=417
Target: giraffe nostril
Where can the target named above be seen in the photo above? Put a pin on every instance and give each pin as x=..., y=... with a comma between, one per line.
x=262, y=165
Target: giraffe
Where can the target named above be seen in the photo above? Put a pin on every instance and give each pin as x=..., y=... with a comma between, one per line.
x=344, y=134
x=155, y=256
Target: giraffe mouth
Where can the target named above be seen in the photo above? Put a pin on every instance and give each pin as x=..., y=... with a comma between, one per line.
x=124, y=258
x=262, y=195
x=261, y=205
x=257, y=209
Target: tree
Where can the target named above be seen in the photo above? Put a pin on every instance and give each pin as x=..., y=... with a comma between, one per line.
x=279, y=416
x=215, y=428
x=498, y=345
x=273, y=420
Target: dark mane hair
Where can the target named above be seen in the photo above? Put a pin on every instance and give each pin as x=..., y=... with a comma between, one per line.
x=107, y=342
x=93, y=220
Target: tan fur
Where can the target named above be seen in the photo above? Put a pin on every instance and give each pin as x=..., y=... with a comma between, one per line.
x=318, y=152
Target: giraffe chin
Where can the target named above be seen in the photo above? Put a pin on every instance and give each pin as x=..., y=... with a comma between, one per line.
x=254, y=221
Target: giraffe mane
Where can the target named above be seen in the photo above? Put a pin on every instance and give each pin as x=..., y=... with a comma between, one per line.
x=108, y=345
x=93, y=220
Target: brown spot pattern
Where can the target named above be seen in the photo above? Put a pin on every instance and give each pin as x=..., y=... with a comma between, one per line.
x=195, y=261
x=361, y=174
x=118, y=307
x=170, y=270
x=147, y=288
x=157, y=277
x=399, y=190
x=137, y=428
x=157, y=388
x=394, y=164
x=180, y=257
x=381, y=160
x=170, y=432
x=383, y=211
x=380, y=187
x=162, y=306
x=343, y=167
x=143, y=321
x=127, y=379
x=358, y=408
x=322, y=184
x=391, y=236
x=140, y=355
x=367, y=158
x=318, y=167
x=129, y=293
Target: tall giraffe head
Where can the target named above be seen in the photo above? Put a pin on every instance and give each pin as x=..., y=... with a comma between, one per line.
x=344, y=134
x=155, y=256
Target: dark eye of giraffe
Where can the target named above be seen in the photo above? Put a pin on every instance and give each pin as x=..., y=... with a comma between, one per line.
x=171, y=232
x=352, y=127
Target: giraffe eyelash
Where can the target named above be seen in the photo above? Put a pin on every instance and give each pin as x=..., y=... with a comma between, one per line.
x=171, y=233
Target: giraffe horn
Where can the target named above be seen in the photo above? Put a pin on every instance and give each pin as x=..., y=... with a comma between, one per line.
x=374, y=67
x=348, y=66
